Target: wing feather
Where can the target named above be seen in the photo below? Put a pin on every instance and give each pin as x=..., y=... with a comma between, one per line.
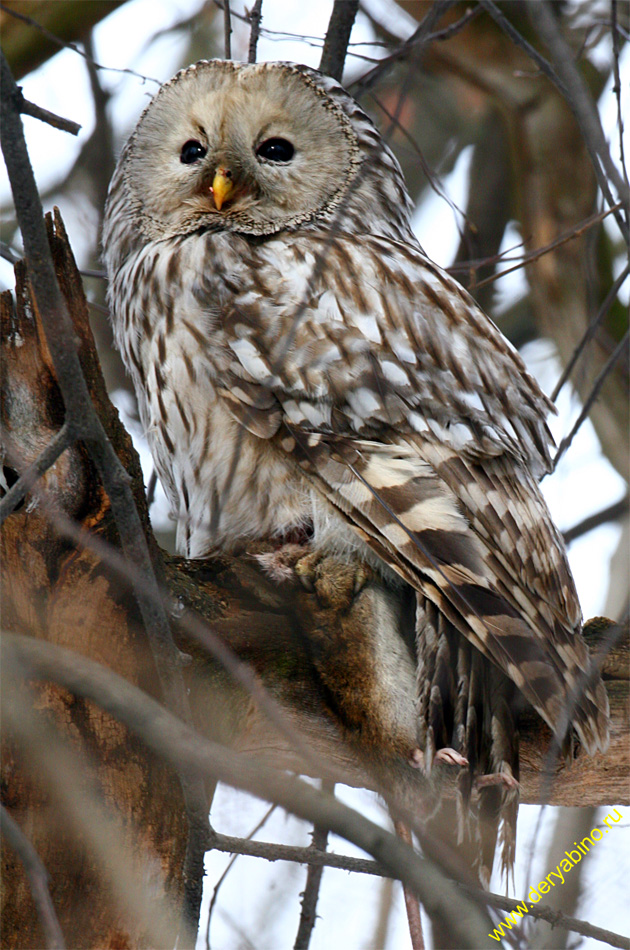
x=406, y=408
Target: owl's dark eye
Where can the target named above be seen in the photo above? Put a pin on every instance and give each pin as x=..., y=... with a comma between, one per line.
x=191, y=152
x=275, y=150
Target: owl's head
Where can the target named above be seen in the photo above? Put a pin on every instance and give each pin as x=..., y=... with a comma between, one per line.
x=254, y=149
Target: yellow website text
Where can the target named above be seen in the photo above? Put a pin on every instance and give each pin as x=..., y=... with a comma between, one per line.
x=572, y=858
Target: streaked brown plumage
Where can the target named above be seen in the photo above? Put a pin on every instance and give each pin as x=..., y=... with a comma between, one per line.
x=301, y=365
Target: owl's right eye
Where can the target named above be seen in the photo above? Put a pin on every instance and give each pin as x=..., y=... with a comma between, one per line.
x=191, y=152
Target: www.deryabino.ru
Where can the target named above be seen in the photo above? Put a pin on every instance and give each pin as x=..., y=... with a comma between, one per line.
x=556, y=877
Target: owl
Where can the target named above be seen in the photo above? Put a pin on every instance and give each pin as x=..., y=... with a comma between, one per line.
x=305, y=371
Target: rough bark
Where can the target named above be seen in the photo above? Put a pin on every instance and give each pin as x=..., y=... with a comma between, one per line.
x=297, y=642
x=53, y=590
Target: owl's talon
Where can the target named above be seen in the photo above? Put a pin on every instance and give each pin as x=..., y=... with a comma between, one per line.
x=362, y=575
x=498, y=778
x=450, y=757
x=335, y=581
x=306, y=569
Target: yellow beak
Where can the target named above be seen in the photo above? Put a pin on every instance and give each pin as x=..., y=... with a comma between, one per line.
x=222, y=187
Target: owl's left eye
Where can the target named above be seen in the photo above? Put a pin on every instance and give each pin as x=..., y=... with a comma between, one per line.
x=191, y=152
x=276, y=150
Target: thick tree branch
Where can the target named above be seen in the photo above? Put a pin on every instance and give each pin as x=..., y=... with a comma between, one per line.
x=337, y=38
x=186, y=750
x=38, y=878
x=610, y=513
x=83, y=423
x=255, y=18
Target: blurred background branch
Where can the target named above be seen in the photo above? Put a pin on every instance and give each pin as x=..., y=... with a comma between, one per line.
x=459, y=93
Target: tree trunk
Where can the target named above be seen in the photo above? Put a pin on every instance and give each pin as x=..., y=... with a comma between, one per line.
x=105, y=816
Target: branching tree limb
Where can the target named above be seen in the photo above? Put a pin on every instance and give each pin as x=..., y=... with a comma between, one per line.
x=265, y=626
x=257, y=699
x=83, y=423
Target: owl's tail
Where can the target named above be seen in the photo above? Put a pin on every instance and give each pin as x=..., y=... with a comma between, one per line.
x=467, y=703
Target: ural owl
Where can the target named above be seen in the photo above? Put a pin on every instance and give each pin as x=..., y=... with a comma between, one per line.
x=304, y=370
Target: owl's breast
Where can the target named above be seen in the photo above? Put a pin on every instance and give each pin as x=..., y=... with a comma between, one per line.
x=224, y=484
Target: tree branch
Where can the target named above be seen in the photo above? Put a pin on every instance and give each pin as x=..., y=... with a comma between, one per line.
x=255, y=18
x=313, y=882
x=38, y=880
x=589, y=333
x=566, y=77
x=57, y=121
x=227, y=29
x=415, y=46
x=611, y=513
x=592, y=396
x=54, y=43
x=584, y=109
x=337, y=38
x=270, y=851
x=187, y=750
x=83, y=423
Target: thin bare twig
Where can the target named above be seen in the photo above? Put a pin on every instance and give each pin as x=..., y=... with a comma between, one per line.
x=62, y=44
x=454, y=28
x=611, y=513
x=230, y=865
x=431, y=176
x=37, y=878
x=313, y=883
x=19, y=490
x=592, y=396
x=255, y=18
x=575, y=232
x=337, y=37
x=557, y=919
x=151, y=486
x=519, y=40
x=570, y=82
x=412, y=907
x=227, y=29
x=590, y=331
x=413, y=46
x=50, y=118
x=271, y=851
x=617, y=86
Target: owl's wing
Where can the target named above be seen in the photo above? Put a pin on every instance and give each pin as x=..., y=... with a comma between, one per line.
x=401, y=402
